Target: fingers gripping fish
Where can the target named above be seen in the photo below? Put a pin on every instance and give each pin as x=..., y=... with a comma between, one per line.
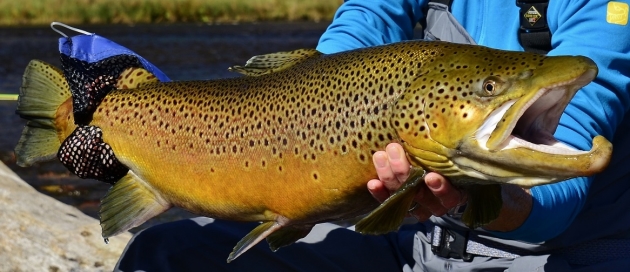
x=289, y=144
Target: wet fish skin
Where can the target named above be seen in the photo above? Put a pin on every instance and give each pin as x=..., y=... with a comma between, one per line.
x=290, y=143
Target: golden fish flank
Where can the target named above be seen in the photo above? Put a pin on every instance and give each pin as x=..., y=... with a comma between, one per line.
x=290, y=143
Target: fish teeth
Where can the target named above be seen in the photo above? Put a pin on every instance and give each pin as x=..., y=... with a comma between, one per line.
x=553, y=147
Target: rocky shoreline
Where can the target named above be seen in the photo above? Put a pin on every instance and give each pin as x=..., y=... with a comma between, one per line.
x=39, y=233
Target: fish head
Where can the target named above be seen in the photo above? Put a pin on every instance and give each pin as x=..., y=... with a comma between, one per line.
x=487, y=116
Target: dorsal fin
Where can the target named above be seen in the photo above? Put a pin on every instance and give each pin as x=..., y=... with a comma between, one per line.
x=274, y=62
x=135, y=77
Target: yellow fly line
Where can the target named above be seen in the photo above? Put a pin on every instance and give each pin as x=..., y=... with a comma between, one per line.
x=8, y=97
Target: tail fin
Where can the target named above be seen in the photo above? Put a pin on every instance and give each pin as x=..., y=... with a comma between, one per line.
x=43, y=90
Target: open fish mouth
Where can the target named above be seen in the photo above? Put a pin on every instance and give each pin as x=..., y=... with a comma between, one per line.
x=533, y=124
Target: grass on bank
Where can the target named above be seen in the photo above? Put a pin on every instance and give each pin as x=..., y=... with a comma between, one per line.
x=42, y=12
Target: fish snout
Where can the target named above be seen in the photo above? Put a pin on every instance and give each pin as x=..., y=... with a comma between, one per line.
x=600, y=155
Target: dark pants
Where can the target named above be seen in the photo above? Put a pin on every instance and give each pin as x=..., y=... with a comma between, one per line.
x=203, y=244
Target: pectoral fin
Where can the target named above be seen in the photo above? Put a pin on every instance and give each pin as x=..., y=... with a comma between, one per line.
x=129, y=203
x=484, y=205
x=391, y=213
x=253, y=237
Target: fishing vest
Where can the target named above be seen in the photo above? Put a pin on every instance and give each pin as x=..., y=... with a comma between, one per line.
x=533, y=33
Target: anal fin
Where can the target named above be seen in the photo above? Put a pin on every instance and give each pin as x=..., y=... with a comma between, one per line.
x=484, y=205
x=129, y=203
x=390, y=214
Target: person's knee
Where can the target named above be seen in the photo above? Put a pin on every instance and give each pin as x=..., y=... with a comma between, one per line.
x=158, y=232
x=172, y=234
x=151, y=247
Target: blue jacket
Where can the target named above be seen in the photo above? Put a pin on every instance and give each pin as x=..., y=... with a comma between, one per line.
x=578, y=27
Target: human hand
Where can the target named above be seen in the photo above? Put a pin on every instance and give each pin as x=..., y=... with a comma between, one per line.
x=436, y=196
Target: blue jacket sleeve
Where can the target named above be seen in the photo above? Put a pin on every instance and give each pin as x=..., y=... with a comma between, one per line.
x=368, y=23
x=582, y=28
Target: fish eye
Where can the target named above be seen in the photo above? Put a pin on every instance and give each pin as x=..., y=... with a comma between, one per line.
x=489, y=86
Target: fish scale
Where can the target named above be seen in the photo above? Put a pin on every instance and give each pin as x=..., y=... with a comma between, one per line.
x=290, y=142
x=252, y=106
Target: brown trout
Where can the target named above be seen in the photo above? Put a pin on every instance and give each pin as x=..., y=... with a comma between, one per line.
x=290, y=143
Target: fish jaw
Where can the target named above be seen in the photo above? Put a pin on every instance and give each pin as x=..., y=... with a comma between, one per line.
x=534, y=116
x=517, y=137
x=527, y=167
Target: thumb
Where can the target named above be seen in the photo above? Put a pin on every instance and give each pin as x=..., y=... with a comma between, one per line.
x=444, y=190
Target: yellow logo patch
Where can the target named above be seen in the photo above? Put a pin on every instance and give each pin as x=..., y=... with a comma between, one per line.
x=617, y=13
x=532, y=15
